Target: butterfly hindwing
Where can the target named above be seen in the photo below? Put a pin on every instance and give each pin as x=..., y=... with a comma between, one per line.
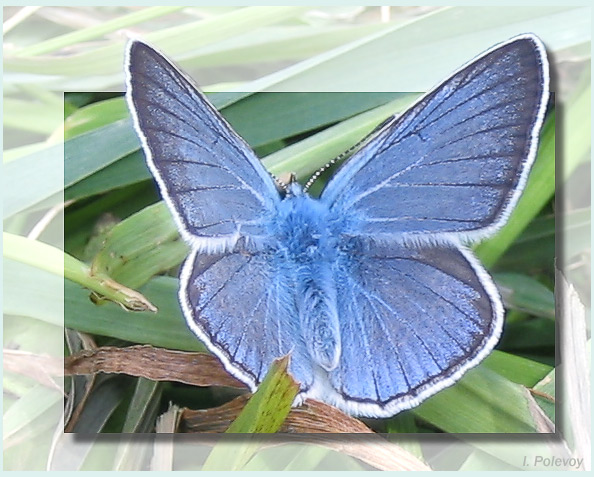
x=455, y=163
x=412, y=321
x=243, y=307
x=213, y=182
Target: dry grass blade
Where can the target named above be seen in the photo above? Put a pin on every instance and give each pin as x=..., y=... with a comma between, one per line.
x=41, y=368
x=163, y=448
x=575, y=369
x=315, y=416
x=216, y=419
x=158, y=364
x=543, y=424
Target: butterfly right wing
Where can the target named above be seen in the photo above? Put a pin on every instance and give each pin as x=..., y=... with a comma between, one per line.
x=413, y=320
x=454, y=164
x=215, y=186
x=242, y=306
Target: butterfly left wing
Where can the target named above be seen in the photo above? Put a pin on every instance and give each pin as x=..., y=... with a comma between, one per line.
x=215, y=186
x=242, y=306
x=413, y=320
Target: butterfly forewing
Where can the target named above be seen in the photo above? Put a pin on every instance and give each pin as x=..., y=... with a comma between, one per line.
x=470, y=141
x=213, y=182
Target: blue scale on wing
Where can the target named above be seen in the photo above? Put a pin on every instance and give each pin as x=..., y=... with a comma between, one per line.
x=197, y=157
x=466, y=142
x=410, y=316
x=246, y=306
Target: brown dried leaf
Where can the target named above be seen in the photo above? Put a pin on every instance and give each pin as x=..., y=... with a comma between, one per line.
x=313, y=416
x=158, y=364
x=316, y=416
x=372, y=449
x=215, y=419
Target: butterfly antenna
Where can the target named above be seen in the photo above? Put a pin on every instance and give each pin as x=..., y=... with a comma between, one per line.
x=281, y=185
x=347, y=153
x=325, y=167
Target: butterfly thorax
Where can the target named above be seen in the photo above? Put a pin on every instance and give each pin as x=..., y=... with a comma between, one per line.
x=307, y=246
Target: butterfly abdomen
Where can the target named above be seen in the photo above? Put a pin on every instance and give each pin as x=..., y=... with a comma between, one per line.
x=307, y=243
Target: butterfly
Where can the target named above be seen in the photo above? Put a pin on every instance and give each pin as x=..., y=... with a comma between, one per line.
x=371, y=288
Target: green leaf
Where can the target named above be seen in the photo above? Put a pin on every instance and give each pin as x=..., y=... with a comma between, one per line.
x=95, y=31
x=307, y=156
x=82, y=156
x=31, y=291
x=515, y=368
x=143, y=245
x=53, y=260
x=18, y=114
x=534, y=250
x=529, y=336
x=524, y=293
x=481, y=402
x=415, y=55
x=106, y=60
x=166, y=328
x=94, y=116
x=284, y=115
x=30, y=179
x=265, y=412
x=267, y=409
x=143, y=407
x=128, y=170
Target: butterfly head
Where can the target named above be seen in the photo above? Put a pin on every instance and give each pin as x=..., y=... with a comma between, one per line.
x=293, y=188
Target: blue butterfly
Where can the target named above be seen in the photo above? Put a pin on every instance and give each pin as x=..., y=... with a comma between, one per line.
x=369, y=288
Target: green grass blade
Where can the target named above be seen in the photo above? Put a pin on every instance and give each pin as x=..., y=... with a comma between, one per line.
x=95, y=31
x=55, y=261
x=166, y=328
x=515, y=368
x=415, y=55
x=127, y=171
x=143, y=245
x=33, y=178
x=264, y=413
x=267, y=409
x=481, y=402
x=39, y=403
x=143, y=407
x=107, y=60
x=29, y=291
x=307, y=156
x=524, y=293
x=94, y=116
x=82, y=157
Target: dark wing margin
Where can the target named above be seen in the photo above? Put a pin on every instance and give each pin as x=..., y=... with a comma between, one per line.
x=214, y=184
x=456, y=162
